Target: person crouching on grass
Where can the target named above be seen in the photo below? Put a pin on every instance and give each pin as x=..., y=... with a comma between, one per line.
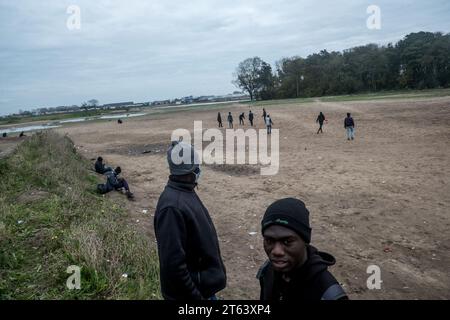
x=113, y=182
x=295, y=269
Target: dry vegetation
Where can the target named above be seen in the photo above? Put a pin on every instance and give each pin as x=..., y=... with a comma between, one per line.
x=52, y=218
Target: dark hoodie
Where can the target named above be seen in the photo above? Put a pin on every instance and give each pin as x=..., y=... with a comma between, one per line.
x=191, y=266
x=312, y=281
x=101, y=168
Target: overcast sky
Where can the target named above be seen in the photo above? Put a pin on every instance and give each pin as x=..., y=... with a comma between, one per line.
x=146, y=50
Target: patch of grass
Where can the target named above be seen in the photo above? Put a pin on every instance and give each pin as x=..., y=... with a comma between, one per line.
x=52, y=218
x=403, y=94
x=400, y=94
x=279, y=102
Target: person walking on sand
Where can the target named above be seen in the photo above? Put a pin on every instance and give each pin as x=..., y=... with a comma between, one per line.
x=250, y=117
x=241, y=118
x=349, y=125
x=320, y=119
x=269, y=123
x=230, y=121
x=264, y=114
x=219, y=120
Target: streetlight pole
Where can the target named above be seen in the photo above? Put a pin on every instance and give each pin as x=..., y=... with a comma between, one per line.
x=301, y=78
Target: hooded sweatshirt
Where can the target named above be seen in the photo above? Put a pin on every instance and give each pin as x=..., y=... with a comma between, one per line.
x=311, y=281
x=191, y=266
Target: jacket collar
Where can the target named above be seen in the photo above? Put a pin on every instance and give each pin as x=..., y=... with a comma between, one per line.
x=181, y=186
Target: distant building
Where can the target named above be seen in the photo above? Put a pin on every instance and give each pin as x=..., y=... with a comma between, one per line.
x=118, y=105
x=187, y=100
x=159, y=103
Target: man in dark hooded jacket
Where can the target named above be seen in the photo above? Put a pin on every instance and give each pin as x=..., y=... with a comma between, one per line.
x=250, y=117
x=100, y=167
x=241, y=118
x=191, y=266
x=230, y=120
x=320, y=119
x=295, y=269
x=219, y=120
x=113, y=182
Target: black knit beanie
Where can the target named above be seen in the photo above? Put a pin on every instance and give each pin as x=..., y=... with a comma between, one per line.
x=290, y=213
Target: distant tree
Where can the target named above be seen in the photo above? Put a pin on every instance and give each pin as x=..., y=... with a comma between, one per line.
x=425, y=60
x=420, y=60
x=290, y=72
x=252, y=75
x=267, y=82
x=92, y=103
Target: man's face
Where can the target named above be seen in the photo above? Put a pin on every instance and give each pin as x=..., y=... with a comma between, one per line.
x=284, y=247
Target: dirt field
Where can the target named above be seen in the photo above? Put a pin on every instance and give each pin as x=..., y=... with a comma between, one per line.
x=381, y=199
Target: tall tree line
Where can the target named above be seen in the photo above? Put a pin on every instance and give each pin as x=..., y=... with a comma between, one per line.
x=418, y=61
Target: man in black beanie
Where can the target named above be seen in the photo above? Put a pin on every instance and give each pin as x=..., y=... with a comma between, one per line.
x=295, y=269
x=191, y=266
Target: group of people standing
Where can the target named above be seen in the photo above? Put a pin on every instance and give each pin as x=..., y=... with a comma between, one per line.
x=251, y=116
x=349, y=123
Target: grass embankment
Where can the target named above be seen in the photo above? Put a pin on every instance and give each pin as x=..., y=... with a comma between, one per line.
x=52, y=218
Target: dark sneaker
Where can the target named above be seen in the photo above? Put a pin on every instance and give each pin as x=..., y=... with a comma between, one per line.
x=130, y=195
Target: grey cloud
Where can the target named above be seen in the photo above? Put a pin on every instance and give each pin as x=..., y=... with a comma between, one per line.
x=145, y=50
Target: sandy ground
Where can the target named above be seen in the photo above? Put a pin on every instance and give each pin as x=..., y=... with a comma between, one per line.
x=382, y=199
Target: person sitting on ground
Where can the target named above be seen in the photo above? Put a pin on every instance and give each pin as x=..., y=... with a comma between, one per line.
x=4, y=134
x=22, y=134
x=119, y=121
x=295, y=269
x=100, y=167
x=115, y=183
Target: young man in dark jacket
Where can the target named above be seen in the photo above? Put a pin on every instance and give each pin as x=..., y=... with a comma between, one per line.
x=250, y=117
x=219, y=120
x=320, y=119
x=100, y=166
x=241, y=118
x=295, y=269
x=349, y=125
x=230, y=120
x=191, y=267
